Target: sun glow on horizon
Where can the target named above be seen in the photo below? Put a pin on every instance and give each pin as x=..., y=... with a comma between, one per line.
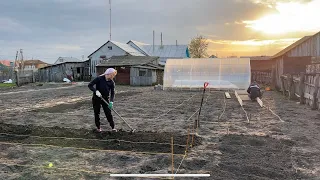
x=291, y=17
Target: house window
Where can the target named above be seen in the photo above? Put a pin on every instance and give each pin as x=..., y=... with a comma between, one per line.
x=110, y=47
x=142, y=72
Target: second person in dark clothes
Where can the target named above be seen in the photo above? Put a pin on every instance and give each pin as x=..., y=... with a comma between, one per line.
x=254, y=91
x=104, y=86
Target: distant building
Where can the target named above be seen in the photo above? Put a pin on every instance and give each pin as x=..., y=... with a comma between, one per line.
x=7, y=63
x=135, y=48
x=65, y=67
x=164, y=52
x=67, y=59
x=109, y=49
x=213, y=56
x=33, y=65
x=134, y=70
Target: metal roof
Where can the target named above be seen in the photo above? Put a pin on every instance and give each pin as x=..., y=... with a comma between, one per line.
x=33, y=62
x=128, y=61
x=5, y=62
x=68, y=59
x=257, y=58
x=127, y=48
x=295, y=44
x=168, y=51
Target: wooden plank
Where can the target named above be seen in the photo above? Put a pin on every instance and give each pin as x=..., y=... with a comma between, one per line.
x=239, y=99
x=242, y=92
x=315, y=93
x=260, y=102
x=227, y=95
x=302, y=88
x=244, y=97
x=283, y=88
x=309, y=84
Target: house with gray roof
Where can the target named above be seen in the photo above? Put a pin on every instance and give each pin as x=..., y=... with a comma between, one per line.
x=61, y=60
x=109, y=49
x=134, y=70
x=164, y=52
x=135, y=48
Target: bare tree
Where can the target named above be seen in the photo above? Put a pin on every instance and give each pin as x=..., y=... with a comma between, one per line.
x=198, y=47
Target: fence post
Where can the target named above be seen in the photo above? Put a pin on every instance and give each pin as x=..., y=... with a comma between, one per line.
x=33, y=80
x=282, y=85
x=315, y=93
x=16, y=73
x=302, y=88
x=291, y=87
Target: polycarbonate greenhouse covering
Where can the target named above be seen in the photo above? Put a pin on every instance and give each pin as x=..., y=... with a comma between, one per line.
x=220, y=73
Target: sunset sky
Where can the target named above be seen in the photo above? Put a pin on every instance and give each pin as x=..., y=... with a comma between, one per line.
x=47, y=29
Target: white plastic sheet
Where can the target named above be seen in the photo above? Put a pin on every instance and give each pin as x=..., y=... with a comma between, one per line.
x=66, y=80
x=9, y=81
x=221, y=73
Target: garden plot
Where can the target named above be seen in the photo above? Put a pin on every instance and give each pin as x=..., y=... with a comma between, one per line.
x=57, y=126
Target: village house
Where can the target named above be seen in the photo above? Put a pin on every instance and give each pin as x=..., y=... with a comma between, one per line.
x=107, y=50
x=135, y=48
x=134, y=70
x=33, y=65
x=164, y=52
x=65, y=67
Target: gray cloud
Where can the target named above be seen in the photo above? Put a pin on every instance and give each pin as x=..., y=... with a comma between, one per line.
x=47, y=29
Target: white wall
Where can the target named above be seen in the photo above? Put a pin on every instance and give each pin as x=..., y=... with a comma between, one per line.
x=95, y=58
x=30, y=68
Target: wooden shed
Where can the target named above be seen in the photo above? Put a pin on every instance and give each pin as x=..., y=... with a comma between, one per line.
x=294, y=58
x=134, y=70
x=79, y=71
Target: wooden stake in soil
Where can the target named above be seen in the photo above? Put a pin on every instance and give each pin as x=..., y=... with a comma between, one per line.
x=172, y=156
x=186, y=152
x=192, y=139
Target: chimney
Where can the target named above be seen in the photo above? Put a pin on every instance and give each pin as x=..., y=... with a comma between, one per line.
x=176, y=42
x=161, y=39
x=153, y=42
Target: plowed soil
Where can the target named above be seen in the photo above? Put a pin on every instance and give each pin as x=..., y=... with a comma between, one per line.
x=56, y=126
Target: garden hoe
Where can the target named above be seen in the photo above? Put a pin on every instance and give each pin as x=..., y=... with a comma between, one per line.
x=197, y=122
x=132, y=130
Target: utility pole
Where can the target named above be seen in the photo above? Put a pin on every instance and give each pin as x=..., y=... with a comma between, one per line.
x=21, y=60
x=110, y=18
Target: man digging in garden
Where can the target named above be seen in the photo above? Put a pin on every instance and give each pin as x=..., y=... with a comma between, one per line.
x=104, y=87
x=254, y=91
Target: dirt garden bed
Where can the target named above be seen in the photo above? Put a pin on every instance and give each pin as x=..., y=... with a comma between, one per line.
x=57, y=126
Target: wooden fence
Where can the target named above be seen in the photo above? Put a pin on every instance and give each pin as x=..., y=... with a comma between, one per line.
x=25, y=77
x=262, y=77
x=304, y=87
